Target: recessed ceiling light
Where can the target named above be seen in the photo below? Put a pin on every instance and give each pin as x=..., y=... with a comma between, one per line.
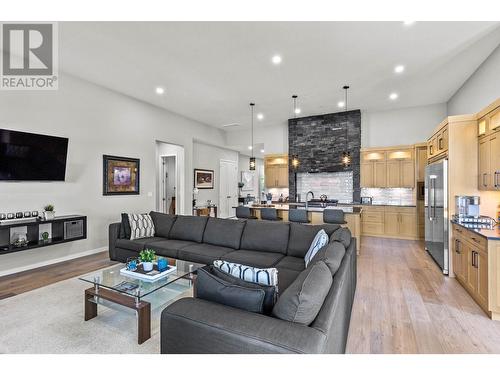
x=341, y=104
x=262, y=150
x=399, y=68
x=408, y=23
x=276, y=59
x=250, y=147
x=393, y=96
x=297, y=111
x=160, y=90
x=260, y=116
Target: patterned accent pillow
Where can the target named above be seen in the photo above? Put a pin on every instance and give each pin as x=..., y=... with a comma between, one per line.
x=264, y=276
x=320, y=240
x=141, y=226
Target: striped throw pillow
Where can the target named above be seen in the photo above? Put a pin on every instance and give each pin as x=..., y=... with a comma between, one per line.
x=320, y=240
x=264, y=276
x=141, y=226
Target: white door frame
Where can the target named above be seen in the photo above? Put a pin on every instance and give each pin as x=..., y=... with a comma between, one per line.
x=163, y=190
x=234, y=199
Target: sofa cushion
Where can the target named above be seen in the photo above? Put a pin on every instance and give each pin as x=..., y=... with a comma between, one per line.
x=138, y=244
x=286, y=277
x=169, y=248
x=270, y=291
x=291, y=263
x=302, y=235
x=302, y=300
x=342, y=235
x=212, y=288
x=163, y=223
x=202, y=253
x=332, y=255
x=260, y=235
x=188, y=228
x=141, y=226
x=253, y=258
x=223, y=232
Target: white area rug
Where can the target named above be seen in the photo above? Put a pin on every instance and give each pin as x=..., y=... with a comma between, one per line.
x=50, y=320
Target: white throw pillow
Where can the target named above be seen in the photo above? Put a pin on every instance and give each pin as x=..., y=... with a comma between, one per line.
x=141, y=226
x=264, y=276
x=320, y=240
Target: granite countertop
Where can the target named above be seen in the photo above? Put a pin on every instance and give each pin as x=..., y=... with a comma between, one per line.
x=490, y=234
x=378, y=205
x=286, y=207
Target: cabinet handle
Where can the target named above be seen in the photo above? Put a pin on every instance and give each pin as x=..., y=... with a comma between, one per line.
x=431, y=149
x=440, y=142
x=476, y=259
x=473, y=257
x=457, y=246
x=496, y=179
x=484, y=183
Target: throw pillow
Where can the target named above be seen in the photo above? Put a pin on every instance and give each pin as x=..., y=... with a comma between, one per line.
x=211, y=288
x=342, y=235
x=320, y=240
x=303, y=299
x=141, y=226
x=270, y=291
x=332, y=254
x=265, y=276
x=125, y=227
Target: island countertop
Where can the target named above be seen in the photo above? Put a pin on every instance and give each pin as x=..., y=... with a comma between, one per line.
x=286, y=207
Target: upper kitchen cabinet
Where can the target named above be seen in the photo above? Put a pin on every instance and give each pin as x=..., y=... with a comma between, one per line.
x=421, y=155
x=276, y=171
x=437, y=144
x=488, y=131
x=392, y=167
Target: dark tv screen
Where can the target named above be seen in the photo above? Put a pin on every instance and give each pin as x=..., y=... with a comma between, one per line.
x=32, y=157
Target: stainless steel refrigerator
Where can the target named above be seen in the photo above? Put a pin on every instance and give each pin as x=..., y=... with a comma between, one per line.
x=436, y=213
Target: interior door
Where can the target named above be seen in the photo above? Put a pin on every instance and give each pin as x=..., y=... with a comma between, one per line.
x=228, y=188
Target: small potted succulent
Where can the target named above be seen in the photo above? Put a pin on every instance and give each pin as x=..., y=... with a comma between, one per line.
x=48, y=212
x=147, y=256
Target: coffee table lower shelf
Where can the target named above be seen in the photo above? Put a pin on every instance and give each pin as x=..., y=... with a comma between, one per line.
x=142, y=308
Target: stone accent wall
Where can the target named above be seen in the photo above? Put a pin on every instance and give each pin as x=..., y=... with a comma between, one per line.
x=319, y=142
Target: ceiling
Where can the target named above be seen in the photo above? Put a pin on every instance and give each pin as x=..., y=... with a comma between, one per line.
x=211, y=70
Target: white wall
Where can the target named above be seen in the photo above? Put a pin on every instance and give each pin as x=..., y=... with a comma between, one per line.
x=403, y=126
x=273, y=137
x=208, y=157
x=482, y=88
x=97, y=121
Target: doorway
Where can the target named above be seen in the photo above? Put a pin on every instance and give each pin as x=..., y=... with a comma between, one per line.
x=228, y=189
x=168, y=202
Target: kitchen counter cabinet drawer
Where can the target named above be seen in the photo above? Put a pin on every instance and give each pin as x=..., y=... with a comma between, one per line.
x=400, y=209
x=372, y=228
x=373, y=217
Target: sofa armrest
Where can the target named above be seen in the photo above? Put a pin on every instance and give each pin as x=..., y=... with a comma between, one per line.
x=114, y=232
x=193, y=325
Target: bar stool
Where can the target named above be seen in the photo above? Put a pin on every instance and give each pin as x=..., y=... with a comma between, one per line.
x=298, y=216
x=244, y=213
x=332, y=216
x=267, y=213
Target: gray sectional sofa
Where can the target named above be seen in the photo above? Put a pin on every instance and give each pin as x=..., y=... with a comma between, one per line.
x=193, y=325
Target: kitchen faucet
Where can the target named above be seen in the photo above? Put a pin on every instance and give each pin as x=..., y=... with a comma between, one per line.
x=307, y=195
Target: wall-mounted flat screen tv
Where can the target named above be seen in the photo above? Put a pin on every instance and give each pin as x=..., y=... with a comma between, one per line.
x=32, y=157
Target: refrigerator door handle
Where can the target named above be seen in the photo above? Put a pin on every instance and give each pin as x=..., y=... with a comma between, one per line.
x=429, y=206
x=434, y=199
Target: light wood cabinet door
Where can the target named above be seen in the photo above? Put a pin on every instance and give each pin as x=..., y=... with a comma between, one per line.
x=482, y=278
x=391, y=223
x=484, y=177
x=367, y=171
x=393, y=174
x=407, y=174
x=380, y=174
x=471, y=280
x=459, y=259
x=272, y=176
x=494, y=120
x=282, y=176
x=443, y=140
x=421, y=163
x=495, y=160
x=407, y=224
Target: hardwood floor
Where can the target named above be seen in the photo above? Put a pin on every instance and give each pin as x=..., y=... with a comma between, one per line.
x=404, y=304
x=28, y=280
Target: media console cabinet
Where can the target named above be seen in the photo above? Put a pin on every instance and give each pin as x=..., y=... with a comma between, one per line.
x=61, y=229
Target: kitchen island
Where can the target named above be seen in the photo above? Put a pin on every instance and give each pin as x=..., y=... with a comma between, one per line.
x=315, y=214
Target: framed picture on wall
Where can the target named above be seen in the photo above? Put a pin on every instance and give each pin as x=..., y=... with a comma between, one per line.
x=248, y=178
x=120, y=175
x=203, y=179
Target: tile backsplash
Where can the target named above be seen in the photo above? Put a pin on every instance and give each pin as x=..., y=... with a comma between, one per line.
x=397, y=196
x=337, y=185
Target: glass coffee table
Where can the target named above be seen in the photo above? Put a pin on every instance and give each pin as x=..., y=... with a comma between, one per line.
x=120, y=292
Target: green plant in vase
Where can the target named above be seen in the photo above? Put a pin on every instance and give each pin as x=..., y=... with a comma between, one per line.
x=147, y=256
x=48, y=212
x=45, y=236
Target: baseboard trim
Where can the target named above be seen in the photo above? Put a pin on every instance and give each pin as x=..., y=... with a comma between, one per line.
x=53, y=261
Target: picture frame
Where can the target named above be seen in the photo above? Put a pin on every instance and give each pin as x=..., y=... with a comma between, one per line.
x=121, y=175
x=203, y=179
x=248, y=178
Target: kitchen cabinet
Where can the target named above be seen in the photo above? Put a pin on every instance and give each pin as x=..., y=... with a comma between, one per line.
x=373, y=169
x=437, y=144
x=488, y=132
x=484, y=175
x=459, y=259
x=389, y=221
x=388, y=168
x=372, y=221
x=276, y=171
x=421, y=162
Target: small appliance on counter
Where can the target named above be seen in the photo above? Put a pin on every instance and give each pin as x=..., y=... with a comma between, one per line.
x=467, y=206
x=366, y=200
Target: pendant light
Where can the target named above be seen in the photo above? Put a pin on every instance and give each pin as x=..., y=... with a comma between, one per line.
x=296, y=110
x=252, y=158
x=346, y=155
